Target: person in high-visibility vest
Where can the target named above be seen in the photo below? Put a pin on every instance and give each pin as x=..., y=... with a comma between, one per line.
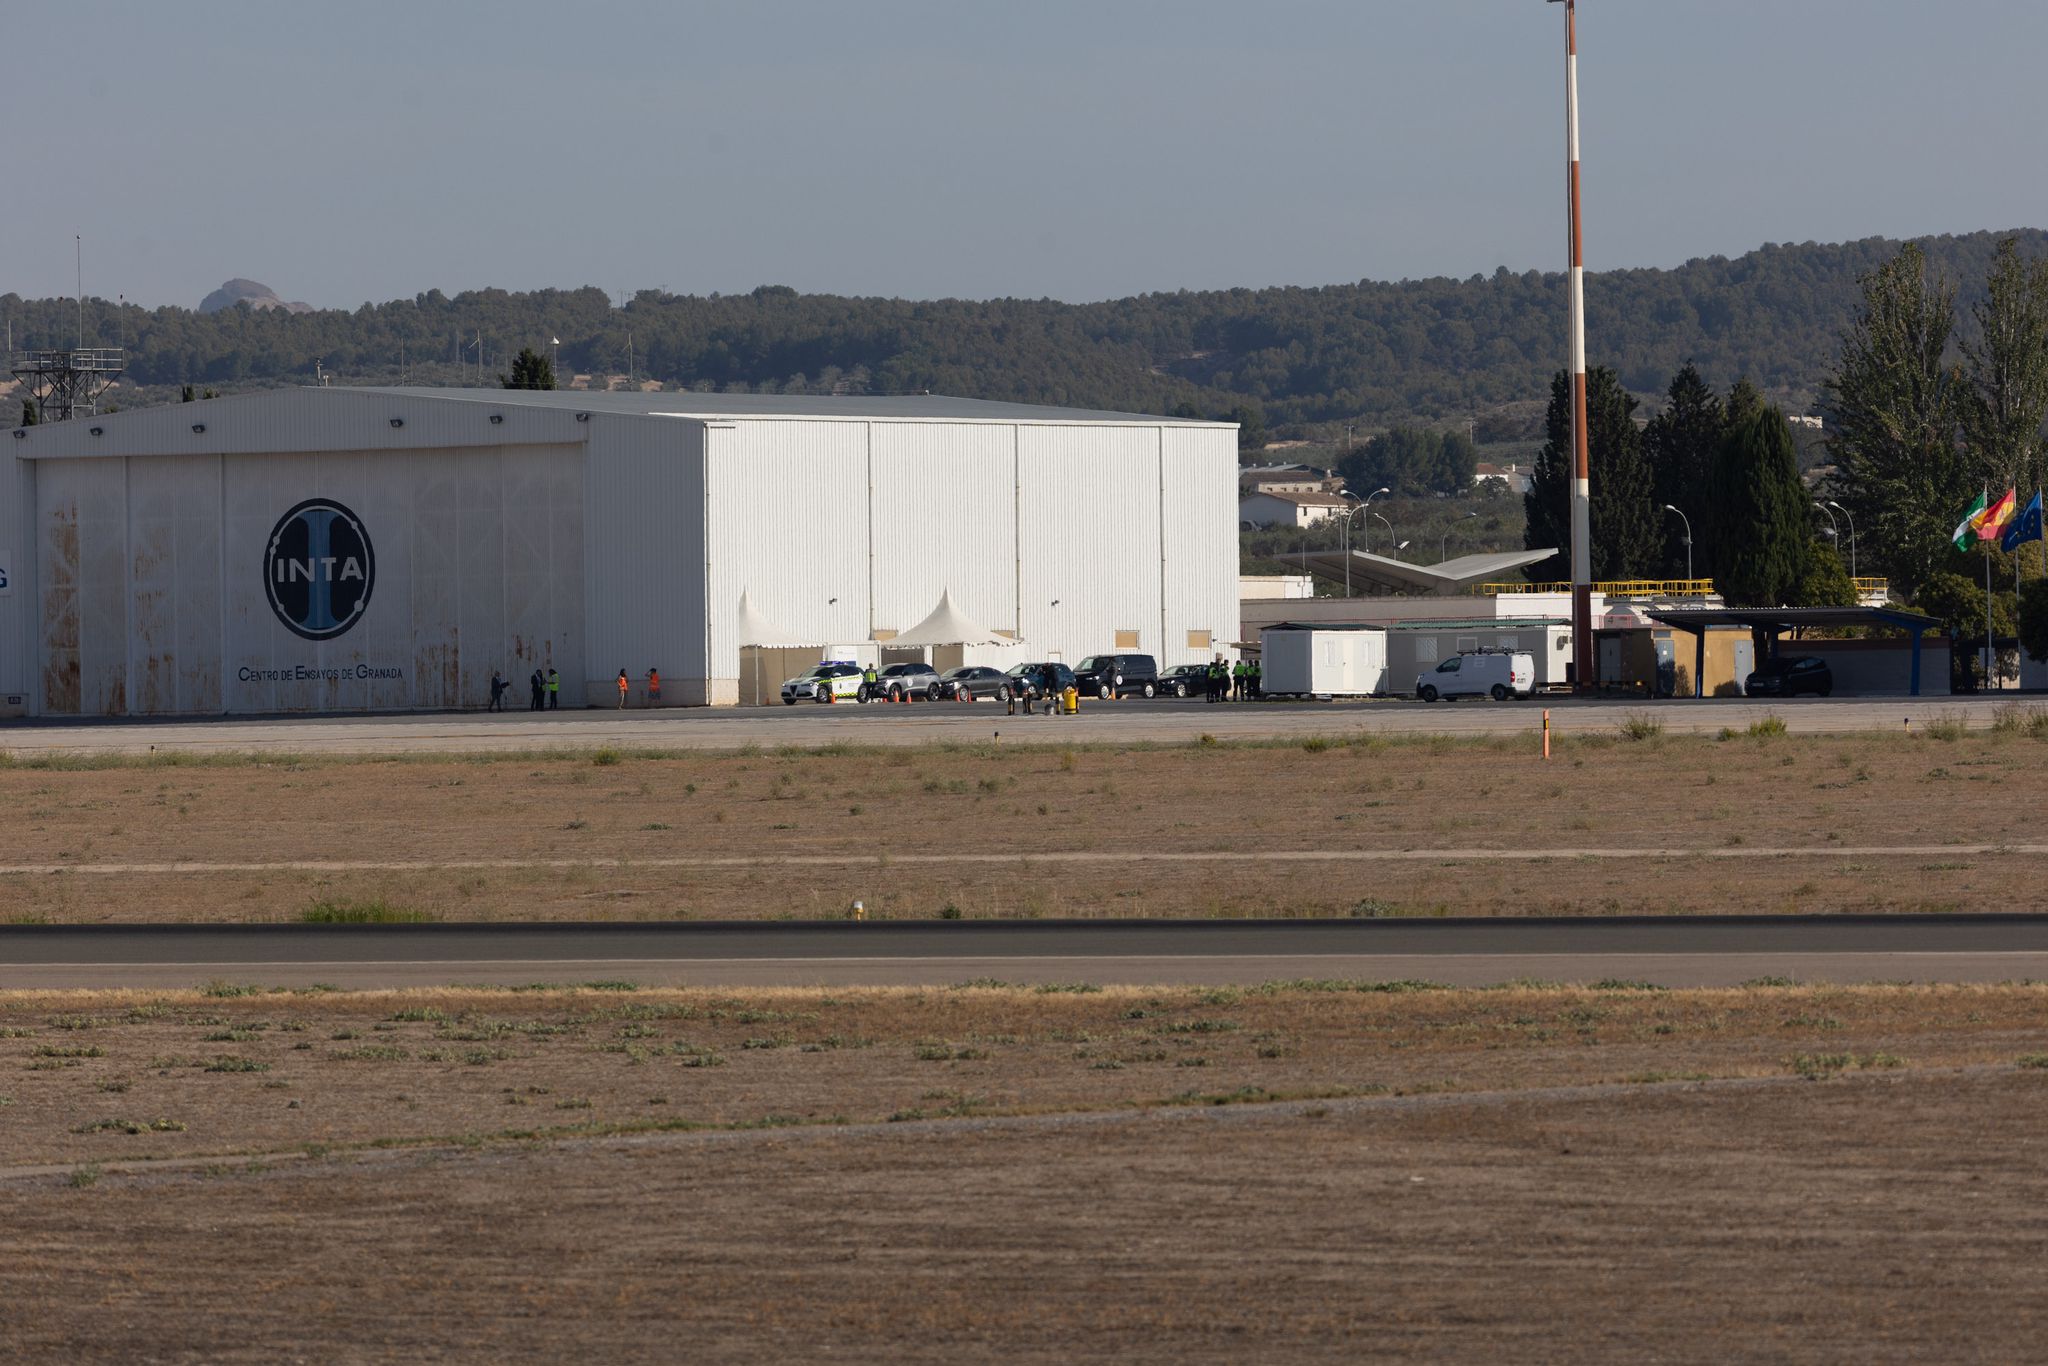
x=1237, y=677
x=653, y=686
x=625, y=686
x=554, y=691
x=1258, y=680
x=868, y=678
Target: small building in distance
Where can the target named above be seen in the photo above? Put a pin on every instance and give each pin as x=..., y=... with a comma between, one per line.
x=1263, y=509
x=1513, y=478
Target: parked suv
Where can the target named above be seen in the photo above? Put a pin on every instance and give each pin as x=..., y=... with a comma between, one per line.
x=825, y=682
x=913, y=680
x=1104, y=675
x=1028, y=680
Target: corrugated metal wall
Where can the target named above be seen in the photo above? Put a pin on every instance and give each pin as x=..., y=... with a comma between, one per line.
x=18, y=568
x=152, y=596
x=643, y=594
x=1127, y=528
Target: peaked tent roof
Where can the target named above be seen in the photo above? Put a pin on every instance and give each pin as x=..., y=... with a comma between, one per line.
x=753, y=629
x=948, y=625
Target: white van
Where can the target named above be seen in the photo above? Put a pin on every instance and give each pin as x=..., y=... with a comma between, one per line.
x=1499, y=674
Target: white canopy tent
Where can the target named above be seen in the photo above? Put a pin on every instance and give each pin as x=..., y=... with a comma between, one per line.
x=948, y=625
x=757, y=633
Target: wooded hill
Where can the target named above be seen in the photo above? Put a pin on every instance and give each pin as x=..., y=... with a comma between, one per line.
x=1311, y=359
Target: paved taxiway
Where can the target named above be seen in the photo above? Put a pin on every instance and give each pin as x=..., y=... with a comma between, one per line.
x=808, y=724
x=1670, y=951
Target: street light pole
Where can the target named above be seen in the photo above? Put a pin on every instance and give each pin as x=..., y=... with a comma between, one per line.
x=1852, y=535
x=1688, y=540
x=1834, y=527
x=1390, y=531
x=1444, y=549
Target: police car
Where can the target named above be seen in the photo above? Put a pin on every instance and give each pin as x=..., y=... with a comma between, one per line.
x=833, y=681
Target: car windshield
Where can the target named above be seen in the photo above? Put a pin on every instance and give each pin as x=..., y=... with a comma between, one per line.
x=1096, y=662
x=957, y=673
x=1023, y=670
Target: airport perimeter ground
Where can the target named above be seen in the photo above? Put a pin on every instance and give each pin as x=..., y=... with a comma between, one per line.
x=1056, y=1170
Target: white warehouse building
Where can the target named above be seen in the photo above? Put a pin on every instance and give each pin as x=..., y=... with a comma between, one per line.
x=326, y=549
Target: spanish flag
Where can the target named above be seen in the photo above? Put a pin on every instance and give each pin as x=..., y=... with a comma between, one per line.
x=1991, y=522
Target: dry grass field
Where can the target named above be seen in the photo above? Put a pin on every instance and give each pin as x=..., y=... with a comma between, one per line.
x=1302, y=1171
x=612, y=835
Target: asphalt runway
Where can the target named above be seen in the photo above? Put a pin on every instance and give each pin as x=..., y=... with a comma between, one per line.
x=810, y=725
x=1670, y=951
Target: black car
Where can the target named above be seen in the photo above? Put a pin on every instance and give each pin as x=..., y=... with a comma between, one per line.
x=1116, y=675
x=1186, y=680
x=1790, y=677
x=972, y=682
x=1028, y=680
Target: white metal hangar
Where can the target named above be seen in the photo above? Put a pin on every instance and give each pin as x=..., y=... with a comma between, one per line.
x=369, y=549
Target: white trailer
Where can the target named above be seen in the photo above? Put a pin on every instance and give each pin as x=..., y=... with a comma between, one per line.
x=1328, y=661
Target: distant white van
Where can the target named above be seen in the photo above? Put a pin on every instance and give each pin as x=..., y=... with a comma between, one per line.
x=1499, y=674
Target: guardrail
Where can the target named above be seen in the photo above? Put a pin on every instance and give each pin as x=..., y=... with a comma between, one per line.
x=1613, y=588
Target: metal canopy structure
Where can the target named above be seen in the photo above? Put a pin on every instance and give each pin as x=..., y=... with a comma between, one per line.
x=1699, y=620
x=1381, y=574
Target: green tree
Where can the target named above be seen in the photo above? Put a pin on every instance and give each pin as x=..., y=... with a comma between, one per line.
x=1763, y=507
x=2008, y=371
x=1625, y=535
x=1251, y=426
x=2033, y=618
x=1682, y=445
x=1957, y=599
x=1894, y=402
x=530, y=370
x=1826, y=581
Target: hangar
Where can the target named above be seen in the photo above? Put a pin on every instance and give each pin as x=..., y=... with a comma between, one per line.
x=329, y=549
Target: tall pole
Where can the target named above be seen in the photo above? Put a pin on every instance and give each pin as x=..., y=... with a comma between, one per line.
x=1582, y=486
x=1852, y=534
x=1668, y=507
x=78, y=245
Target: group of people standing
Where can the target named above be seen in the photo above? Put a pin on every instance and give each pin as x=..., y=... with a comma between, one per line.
x=1238, y=682
x=546, y=687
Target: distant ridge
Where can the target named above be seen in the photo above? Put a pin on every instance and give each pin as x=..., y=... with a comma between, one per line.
x=240, y=291
x=1311, y=359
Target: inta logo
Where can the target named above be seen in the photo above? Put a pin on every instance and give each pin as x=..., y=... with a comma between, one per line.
x=319, y=569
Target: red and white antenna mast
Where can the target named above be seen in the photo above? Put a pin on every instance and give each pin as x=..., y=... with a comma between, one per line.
x=1582, y=495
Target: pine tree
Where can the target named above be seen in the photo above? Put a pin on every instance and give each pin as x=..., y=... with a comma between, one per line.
x=1624, y=530
x=1763, y=507
x=530, y=370
x=1893, y=406
x=1682, y=444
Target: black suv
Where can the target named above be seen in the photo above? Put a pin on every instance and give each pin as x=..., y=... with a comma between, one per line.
x=1107, y=675
x=1029, y=679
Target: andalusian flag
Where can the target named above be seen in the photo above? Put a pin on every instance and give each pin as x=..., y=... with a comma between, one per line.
x=1991, y=523
x=1968, y=526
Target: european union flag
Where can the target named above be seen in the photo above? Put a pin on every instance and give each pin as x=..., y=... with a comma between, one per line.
x=2025, y=527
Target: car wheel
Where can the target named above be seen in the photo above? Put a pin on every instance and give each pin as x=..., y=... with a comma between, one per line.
x=932, y=693
x=1428, y=693
x=1500, y=694
x=1180, y=690
x=789, y=701
x=1102, y=691
x=1151, y=691
x=1824, y=689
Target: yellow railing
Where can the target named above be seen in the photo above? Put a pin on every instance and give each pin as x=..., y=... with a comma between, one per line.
x=1866, y=586
x=1615, y=588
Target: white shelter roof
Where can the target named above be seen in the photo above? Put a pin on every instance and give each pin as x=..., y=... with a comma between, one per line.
x=753, y=629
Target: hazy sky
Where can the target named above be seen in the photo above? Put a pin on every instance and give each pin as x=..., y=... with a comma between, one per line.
x=1087, y=149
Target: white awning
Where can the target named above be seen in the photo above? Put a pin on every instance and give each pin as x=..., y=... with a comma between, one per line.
x=948, y=625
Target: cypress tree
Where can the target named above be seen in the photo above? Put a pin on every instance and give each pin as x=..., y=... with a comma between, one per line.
x=1682, y=445
x=1625, y=533
x=1763, y=511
